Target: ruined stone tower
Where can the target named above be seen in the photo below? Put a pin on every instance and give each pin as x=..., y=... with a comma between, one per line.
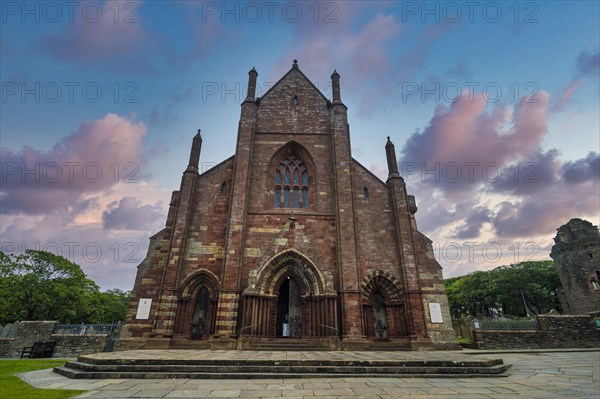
x=290, y=241
x=576, y=253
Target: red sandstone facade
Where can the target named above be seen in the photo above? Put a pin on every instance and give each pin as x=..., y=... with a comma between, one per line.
x=290, y=239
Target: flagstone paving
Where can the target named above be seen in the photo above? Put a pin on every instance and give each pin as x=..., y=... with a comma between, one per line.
x=539, y=374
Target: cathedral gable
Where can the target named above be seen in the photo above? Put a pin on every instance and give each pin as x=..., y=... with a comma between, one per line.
x=293, y=105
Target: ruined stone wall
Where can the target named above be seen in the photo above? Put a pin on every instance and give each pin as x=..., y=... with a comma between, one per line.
x=576, y=254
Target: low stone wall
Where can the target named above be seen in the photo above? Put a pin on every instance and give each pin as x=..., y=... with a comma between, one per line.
x=73, y=345
x=568, y=331
x=67, y=345
x=26, y=333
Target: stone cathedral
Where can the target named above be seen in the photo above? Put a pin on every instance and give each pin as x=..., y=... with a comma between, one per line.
x=290, y=243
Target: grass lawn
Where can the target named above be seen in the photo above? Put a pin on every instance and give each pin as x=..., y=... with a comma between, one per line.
x=12, y=387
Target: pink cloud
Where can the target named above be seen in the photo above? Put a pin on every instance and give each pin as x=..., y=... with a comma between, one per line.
x=367, y=48
x=566, y=96
x=379, y=171
x=321, y=47
x=130, y=214
x=100, y=34
x=98, y=155
x=468, y=132
x=504, y=147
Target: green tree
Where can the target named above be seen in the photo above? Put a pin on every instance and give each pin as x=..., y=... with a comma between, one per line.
x=112, y=306
x=39, y=285
x=498, y=291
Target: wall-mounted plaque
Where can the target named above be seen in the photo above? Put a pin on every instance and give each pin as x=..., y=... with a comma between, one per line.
x=143, y=310
x=435, y=312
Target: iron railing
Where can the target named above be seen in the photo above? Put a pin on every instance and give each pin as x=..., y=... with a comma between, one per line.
x=88, y=328
x=335, y=330
x=241, y=332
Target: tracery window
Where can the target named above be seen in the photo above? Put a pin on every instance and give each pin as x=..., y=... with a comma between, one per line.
x=291, y=184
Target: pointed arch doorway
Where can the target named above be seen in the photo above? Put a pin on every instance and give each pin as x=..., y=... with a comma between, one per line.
x=289, y=299
x=197, y=306
x=383, y=307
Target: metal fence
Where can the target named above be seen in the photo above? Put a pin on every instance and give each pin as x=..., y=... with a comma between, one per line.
x=506, y=325
x=87, y=328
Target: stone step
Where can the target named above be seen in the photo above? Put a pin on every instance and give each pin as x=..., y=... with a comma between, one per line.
x=286, y=344
x=91, y=360
x=266, y=347
x=429, y=372
x=277, y=364
x=274, y=367
x=188, y=344
x=90, y=366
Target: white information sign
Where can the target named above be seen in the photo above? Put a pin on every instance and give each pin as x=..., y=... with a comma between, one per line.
x=143, y=310
x=435, y=312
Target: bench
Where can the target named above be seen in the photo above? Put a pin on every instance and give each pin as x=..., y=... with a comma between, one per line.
x=39, y=349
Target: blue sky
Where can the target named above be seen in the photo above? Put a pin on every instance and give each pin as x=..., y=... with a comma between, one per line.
x=100, y=101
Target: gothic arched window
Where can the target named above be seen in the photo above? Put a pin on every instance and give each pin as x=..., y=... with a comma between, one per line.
x=291, y=184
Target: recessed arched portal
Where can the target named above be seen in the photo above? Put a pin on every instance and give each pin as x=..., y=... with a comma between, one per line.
x=289, y=300
x=383, y=306
x=197, y=306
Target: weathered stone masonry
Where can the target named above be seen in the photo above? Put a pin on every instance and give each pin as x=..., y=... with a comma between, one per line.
x=576, y=254
x=291, y=238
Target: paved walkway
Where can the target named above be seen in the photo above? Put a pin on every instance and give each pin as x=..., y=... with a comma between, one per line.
x=540, y=374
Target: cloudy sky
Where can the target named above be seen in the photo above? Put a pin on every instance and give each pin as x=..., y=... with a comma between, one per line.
x=493, y=107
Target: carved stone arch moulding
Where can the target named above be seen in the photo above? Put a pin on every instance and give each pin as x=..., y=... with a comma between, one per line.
x=196, y=280
x=289, y=263
x=293, y=148
x=383, y=282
